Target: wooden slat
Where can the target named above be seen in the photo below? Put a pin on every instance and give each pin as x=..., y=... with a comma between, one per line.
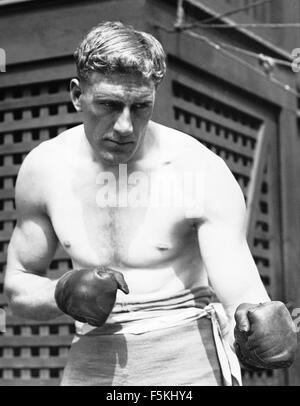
x=3, y=257
x=260, y=252
x=3, y=300
x=7, y=194
x=18, y=147
x=236, y=167
x=263, y=217
x=33, y=362
x=16, y=321
x=265, y=270
x=8, y=215
x=36, y=341
x=41, y=122
x=264, y=380
x=51, y=70
x=254, y=190
x=263, y=235
x=30, y=382
x=5, y=236
x=9, y=170
x=210, y=115
x=35, y=101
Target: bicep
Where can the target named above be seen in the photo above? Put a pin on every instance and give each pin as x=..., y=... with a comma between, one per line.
x=33, y=242
x=32, y=245
x=30, y=251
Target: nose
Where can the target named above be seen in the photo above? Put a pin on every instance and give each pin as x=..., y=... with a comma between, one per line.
x=123, y=125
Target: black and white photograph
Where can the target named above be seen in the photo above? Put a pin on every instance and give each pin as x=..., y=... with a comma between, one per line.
x=149, y=195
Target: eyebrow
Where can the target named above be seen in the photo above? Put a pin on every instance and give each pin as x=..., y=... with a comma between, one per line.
x=118, y=98
x=111, y=95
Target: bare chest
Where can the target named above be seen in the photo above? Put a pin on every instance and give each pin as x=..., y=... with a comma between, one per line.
x=123, y=232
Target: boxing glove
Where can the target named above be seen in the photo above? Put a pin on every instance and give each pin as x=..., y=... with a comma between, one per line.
x=89, y=295
x=265, y=337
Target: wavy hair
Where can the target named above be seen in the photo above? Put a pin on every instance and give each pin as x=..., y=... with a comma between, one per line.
x=112, y=47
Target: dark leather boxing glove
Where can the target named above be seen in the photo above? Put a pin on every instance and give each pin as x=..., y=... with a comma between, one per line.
x=88, y=295
x=265, y=336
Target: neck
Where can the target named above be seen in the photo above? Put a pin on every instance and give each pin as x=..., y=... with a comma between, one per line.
x=142, y=156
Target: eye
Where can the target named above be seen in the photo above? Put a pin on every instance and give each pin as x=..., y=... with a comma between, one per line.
x=141, y=106
x=110, y=105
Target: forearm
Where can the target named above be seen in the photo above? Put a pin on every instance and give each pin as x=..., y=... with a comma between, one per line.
x=32, y=296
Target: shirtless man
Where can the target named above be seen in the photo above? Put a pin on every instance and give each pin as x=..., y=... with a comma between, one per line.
x=139, y=289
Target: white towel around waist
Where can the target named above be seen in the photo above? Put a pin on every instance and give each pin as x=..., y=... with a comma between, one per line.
x=145, y=321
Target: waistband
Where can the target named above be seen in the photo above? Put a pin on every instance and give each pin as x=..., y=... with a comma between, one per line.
x=197, y=297
x=138, y=318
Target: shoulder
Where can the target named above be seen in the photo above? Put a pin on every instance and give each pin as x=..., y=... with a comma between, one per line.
x=182, y=146
x=48, y=154
x=190, y=152
x=40, y=166
x=221, y=192
x=223, y=197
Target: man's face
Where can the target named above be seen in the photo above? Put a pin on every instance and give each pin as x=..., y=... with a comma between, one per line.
x=116, y=110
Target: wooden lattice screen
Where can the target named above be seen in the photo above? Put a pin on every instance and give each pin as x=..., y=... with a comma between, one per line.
x=32, y=353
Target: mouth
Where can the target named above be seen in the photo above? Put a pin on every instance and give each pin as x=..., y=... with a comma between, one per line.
x=119, y=142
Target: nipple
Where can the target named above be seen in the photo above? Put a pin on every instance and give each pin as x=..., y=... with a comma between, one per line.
x=163, y=247
x=67, y=244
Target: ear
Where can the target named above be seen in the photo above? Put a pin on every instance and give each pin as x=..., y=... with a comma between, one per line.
x=76, y=93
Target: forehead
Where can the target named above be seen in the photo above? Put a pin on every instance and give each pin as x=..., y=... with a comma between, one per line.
x=120, y=85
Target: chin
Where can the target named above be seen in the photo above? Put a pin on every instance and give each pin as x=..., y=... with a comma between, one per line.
x=116, y=159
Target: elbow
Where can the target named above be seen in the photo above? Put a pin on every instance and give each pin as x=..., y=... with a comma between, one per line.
x=9, y=292
x=16, y=302
x=24, y=304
